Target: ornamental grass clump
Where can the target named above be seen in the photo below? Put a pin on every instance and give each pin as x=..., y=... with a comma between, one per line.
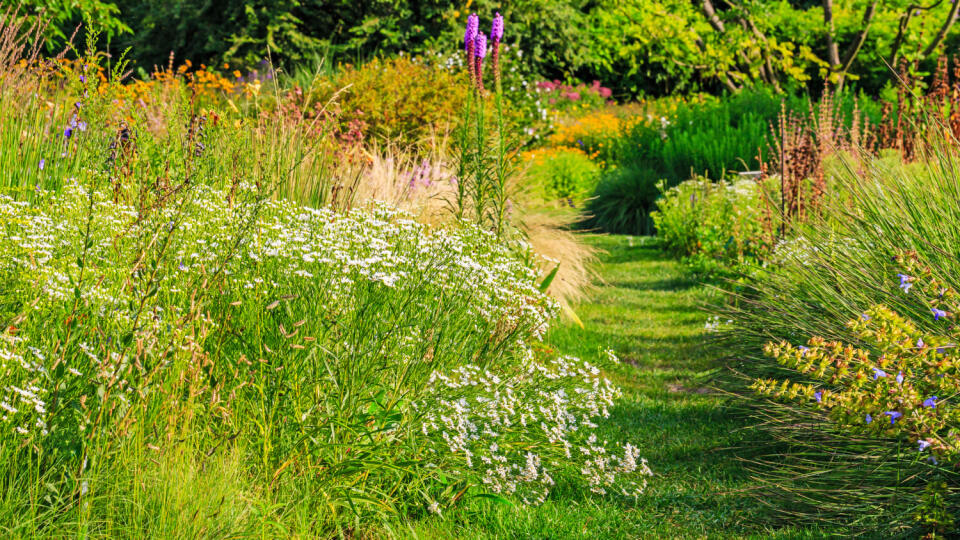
x=854, y=415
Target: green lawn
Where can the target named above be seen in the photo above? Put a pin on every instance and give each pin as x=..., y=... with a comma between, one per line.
x=649, y=312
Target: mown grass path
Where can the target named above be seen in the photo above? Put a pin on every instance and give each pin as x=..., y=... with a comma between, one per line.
x=648, y=310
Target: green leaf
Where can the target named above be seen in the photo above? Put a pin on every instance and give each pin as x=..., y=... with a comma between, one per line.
x=549, y=279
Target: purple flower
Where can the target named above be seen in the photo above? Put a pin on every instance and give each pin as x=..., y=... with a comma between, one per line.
x=899, y=377
x=864, y=316
x=920, y=343
x=905, y=282
x=893, y=416
x=496, y=29
x=803, y=350
x=818, y=395
x=938, y=314
x=78, y=124
x=67, y=132
x=83, y=79
x=480, y=45
x=42, y=163
x=473, y=27
x=923, y=445
x=877, y=373
x=869, y=418
x=931, y=402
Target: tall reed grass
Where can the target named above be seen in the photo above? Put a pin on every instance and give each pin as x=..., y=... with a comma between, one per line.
x=837, y=265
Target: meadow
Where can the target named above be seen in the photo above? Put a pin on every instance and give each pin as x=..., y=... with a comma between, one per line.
x=511, y=279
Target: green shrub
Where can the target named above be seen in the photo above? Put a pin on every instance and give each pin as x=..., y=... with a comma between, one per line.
x=565, y=174
x=404, y=99
x=696, y=137
x=715, y=226
x=621, y=203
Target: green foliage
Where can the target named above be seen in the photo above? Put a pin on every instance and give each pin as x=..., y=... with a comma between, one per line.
x=62, y=17
x=564, y=174
x=403, y=99
x=621, y=204
x=644, y=47
x=716, y=226
x=710, y=137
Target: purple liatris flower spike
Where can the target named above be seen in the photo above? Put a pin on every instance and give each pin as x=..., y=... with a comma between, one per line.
x=877, y=373
x=893, y=416
x=480, y=45
x=496, y=29
x=923, y=445
x=899, y=377
x=818, y=395
x=938, y=314
x=869, y=418
x=931, y=402
x=479, y=51
x=473, y=27
x=496, y=34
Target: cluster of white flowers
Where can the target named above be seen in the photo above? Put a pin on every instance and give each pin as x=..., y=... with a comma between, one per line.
x=797, y=249
x=714, y=324
x=279, y=248
x=514, y=433
x=511, y=425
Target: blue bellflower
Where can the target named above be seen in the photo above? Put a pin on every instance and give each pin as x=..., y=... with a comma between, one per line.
x=905, y=282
